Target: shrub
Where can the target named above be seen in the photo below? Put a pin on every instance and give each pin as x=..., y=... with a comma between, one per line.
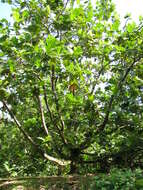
x=118, y=179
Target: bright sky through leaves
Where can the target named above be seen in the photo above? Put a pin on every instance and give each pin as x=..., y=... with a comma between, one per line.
x=5, y=11
x=135, y=7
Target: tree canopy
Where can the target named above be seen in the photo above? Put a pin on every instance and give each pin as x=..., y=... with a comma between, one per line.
x=71, y=84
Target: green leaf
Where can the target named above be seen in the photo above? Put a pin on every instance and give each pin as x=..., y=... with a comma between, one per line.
x=139, y=183
x=78, y=2
x=16, y=15
x=6, y=165
x=48, y=9
x=131, y=27
x=25, y=14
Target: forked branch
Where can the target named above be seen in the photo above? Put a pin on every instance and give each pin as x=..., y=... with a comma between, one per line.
x=27, y=137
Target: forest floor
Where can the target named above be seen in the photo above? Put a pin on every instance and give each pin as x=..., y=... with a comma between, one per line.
x=75, y=182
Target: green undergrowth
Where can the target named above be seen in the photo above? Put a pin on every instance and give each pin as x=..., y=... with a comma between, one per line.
x=118, y=179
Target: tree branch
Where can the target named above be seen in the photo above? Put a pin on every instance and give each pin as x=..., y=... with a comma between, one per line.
x=52, y=119
x=56, y=161
x=43, y=154
x=48, y=108
x=18, y=124
x=47, y=105
x=88, y=140
x=119, y=86
x=42, y=115
x=56, y=100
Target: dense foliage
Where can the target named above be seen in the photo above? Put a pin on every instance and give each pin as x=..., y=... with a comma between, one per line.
x=71, y=88
x=118, y=179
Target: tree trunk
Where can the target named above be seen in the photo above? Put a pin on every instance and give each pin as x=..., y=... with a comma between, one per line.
x=73, y=167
